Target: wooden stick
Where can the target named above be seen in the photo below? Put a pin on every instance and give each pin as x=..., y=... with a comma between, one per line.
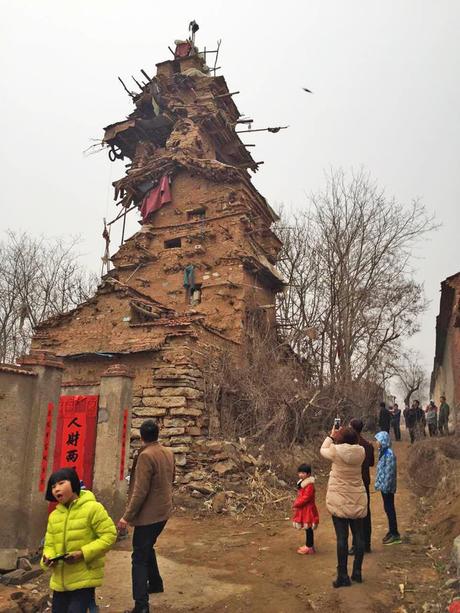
x=260, y=129
x=125, y=88
x=146, y=75
x=227, y=94
x=137, y=83
x=123, y=230
x=121, y=215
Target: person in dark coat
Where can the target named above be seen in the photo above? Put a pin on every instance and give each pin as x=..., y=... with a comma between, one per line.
x=384, y=418
x=369, y=460
x=421, y=419
x=396, y=421
x=443, y=421
x=411, y=421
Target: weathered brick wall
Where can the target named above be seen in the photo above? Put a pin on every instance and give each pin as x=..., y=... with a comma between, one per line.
x=447, y=374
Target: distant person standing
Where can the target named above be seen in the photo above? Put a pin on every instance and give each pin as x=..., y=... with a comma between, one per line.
x=443, y=419
x=411, y=421
x=369, y=460
x=406, y=410
x=396, y=421
x=421, y=419
x=385, y=482
x=384, y=418
x=431, y=415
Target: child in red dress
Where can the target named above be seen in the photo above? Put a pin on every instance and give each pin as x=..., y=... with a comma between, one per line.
x=305, y=512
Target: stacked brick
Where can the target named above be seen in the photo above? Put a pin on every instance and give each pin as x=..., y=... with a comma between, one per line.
x=176, y=401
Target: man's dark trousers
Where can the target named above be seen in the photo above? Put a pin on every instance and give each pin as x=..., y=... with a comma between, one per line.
x=145, y=573
x=367, y=524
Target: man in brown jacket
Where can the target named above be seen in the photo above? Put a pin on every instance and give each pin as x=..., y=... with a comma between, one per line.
x=149, y=508
x=369, y=460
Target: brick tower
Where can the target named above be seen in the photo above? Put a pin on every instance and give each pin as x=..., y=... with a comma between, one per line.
x=202, y=260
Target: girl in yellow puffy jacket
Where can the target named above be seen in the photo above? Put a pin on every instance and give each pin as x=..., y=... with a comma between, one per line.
x=78, y=535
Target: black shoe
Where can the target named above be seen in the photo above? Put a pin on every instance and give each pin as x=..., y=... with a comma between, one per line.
x=394, y=539
x=156, y=589
x=387, y=537
x=342, y=581
x=357, y=577
x=351, y=551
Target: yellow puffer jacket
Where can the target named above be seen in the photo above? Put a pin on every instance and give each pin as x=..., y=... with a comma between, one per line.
x=83, y=526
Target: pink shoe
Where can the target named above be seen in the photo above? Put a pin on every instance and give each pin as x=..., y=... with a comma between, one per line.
x=303, y=550
x=310, y=551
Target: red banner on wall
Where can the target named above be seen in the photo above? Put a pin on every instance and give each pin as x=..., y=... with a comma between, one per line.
x=46, y=447
x=76, y=435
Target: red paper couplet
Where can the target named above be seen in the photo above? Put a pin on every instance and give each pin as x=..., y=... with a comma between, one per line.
x=46, y=447
x=76, y=435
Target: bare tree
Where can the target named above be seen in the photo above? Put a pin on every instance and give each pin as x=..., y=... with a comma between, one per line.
x=411, y=375
x=38, y=278
x=352, y=296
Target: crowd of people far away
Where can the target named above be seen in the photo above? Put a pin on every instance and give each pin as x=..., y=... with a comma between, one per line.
x=416, y=419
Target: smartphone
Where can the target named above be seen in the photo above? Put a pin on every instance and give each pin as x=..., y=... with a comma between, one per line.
x=337, y=423
x=57, y=558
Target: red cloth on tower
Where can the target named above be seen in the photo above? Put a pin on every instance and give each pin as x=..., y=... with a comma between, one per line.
x=183, y=49
x=156, y=198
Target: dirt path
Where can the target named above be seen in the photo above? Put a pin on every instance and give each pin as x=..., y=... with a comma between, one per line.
x=222, y=564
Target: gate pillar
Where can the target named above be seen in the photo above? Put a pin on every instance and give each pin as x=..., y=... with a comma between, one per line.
x=113, y=438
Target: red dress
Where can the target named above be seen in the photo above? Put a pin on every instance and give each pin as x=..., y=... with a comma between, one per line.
x=305, y=511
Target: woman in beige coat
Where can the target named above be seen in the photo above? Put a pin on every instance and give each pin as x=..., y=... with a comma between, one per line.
x=346, y=499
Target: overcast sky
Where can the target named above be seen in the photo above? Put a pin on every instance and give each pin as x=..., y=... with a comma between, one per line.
x=385, y=77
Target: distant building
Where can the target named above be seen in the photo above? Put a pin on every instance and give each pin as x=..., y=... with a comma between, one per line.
x=445, y=378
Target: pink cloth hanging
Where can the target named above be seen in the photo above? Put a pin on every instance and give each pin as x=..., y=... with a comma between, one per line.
x=156, y=198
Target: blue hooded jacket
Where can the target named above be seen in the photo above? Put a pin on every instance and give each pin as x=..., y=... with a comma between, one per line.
x=385, y=478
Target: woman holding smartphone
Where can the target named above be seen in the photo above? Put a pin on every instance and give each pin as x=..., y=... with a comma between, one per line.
x=346, y=498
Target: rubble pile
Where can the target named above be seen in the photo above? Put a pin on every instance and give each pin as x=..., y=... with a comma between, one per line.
x=227, y=477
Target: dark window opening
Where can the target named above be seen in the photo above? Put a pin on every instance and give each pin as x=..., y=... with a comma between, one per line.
x=196, y=214
x=173, y=243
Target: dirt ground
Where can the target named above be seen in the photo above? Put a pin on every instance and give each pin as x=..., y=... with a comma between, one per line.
x=223, y=564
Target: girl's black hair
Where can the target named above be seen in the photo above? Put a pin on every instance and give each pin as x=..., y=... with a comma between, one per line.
x=63, y=474
x=304, y=468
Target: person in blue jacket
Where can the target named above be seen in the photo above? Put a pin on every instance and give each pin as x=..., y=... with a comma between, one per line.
x=385, y=482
